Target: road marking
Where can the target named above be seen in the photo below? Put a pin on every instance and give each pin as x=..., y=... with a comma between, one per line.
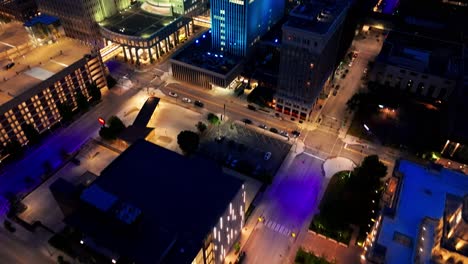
x=313, y=156
x=277, y=227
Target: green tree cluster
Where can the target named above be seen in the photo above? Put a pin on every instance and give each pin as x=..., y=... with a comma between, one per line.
x=188, y=141
x=201, y=127
x=304, y=257
x=112, y=129
x=213, y=119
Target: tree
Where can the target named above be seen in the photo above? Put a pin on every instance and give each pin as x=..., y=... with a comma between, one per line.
x=188, y=141
x=355, y=102
x=213, y=119
x=31, y=133
x=65, y=110
x=81, y=101
x=94, y=91
x=111, y=82
x=115, y=125
x=201, y=127
x=114, y=128
x=14, y=148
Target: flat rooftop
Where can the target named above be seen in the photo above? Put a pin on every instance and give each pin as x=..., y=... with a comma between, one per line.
x=200, y=54
x=423, y=54
x=423, y=194
x=316, y=16
x=136, y=22
x=180, y=198
x=37, y=65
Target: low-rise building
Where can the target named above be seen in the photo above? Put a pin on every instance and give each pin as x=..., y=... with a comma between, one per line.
x=152, y=205
x=425, y=67
x=425, y=221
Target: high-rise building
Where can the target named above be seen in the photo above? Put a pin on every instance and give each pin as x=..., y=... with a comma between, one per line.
x=238, y=24
x=20, y=10
x=80, y=17
x=308, y=54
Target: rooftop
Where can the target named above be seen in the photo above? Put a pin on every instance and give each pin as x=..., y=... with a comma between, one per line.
x=423, y=194
x=200, y=54
x=180, y=198
x=36, y=65
x=422, y=54
x=136, y=22
x=316, y=16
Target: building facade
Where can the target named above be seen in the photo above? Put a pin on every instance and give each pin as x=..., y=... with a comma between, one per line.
x=38, y=105
x=80, y=17
x=308, y=54
x=424, y=67
x=238, y=24
x=20, y=10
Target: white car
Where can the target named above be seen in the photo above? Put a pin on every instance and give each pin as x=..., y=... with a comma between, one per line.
x=172, y=94
x=284, y=133
x=186, y=100
x=267, y=156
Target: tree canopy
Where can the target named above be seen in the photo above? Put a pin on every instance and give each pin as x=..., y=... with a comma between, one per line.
x=188, y=141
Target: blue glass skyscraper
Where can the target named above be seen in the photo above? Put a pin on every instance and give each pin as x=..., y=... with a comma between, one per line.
x=238, y=24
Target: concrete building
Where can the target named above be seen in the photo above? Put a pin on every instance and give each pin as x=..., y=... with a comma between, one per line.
x=425, y=67
x=308, y=55
x=199, y=65
x=80, y=17
x=238, y=24
x=143, y=33
x=425, y=220
x=20, y=10
x=152, y=205
x=38, y=78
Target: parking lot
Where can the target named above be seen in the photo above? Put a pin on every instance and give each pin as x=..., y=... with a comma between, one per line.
x=244, y=147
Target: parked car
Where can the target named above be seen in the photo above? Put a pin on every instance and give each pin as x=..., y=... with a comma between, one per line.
x=172, y=94
x=296, y=133
x=267, y=156
x=76, y=161
x=240, y=258
x=198, y=103
x=274, y=130
x=263, y=126
x=247, y=121
x=9, y=65
x=251, y=107
x=186, y=100
x=284, y=133
x=335, y=92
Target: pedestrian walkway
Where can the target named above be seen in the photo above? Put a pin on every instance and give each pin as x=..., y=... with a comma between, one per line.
x=277, y=227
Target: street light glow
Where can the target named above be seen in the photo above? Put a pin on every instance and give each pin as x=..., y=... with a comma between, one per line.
x=366, y=127
x=381, y=106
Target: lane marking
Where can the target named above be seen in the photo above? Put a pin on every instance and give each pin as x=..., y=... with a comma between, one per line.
x=313, y=156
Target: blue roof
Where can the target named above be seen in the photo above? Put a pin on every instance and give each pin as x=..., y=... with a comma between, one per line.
x=423, y=194
x=41, y=19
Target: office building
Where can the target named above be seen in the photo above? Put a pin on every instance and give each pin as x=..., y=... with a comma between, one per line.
x=238, y=24
x=424, y=67
x=152, y=205
x=80, y=17
x=308, y=55
x=37, y=78
x=425, y=220
x=20, y=10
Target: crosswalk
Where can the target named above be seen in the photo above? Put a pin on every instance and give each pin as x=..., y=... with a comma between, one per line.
x=277, y=227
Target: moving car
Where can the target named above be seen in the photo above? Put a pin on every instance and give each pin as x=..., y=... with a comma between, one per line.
x=186, y=100
x=263, y=126
x=172, y=94
x=267, y=156
x=247, y=121
x=198, y=103
x=284, y=133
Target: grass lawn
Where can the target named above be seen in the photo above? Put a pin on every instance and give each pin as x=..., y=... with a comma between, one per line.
x=304, y=257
